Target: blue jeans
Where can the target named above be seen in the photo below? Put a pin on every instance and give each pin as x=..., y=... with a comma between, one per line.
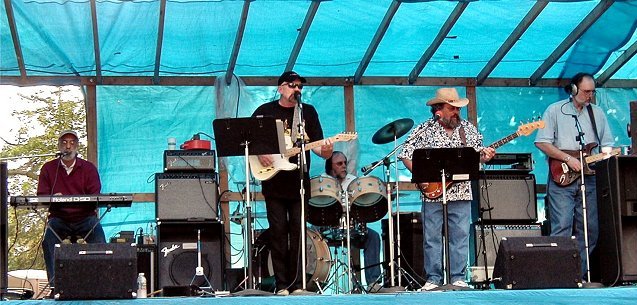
x=371, y=252
x=566, y=214
x=64, y=230
x=459, y=224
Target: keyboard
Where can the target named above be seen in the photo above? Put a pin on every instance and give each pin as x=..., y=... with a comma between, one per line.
x=101, y=200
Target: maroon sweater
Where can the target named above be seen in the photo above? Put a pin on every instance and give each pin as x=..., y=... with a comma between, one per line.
x=83, y=180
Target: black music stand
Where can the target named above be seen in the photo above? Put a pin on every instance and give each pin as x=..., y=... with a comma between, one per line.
x=245, y=137
x=445, y=165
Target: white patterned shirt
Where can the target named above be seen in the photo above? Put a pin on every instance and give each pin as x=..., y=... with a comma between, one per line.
x=435, y=136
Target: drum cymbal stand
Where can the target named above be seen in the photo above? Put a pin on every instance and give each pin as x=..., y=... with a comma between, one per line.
x=386, y=162
x=352, y=281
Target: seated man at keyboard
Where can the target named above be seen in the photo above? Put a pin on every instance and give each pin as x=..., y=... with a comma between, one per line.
x=69, y=175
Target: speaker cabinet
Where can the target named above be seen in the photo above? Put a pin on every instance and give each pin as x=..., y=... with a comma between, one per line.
x=95, y=271
x=493, y=234
x=186, y=196
x=505, y=198
x=411, y=246
x=617, y=208
x=177, y=255
x=538, y=262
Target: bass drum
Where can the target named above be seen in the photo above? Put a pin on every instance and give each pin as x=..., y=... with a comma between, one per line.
x=368, y=199
x=324, y=206
x=319, y=260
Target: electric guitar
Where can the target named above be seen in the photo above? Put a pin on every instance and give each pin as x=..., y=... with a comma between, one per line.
x=281, y=162
x=433, y=190
x=563, y=175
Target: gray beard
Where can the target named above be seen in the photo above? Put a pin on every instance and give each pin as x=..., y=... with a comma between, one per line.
x=451, y=123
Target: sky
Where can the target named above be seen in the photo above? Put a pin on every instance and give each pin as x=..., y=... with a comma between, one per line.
x=10, y=101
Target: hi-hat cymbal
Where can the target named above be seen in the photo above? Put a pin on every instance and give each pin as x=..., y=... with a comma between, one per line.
x=397, y=128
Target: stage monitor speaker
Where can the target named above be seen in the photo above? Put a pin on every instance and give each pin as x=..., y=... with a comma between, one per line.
x=177, y=255
x=617, y=210
x=95, y=271
x=505, y=198
x=492, y=236
x=411, y=243
x=538, y=262
x=186, y=196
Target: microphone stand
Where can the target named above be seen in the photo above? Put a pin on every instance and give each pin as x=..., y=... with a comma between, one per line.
x=580, y=139
x=301, y=161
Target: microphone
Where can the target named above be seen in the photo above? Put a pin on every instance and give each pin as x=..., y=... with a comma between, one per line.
x=297, y=96
x=62, y=154
x=368, y=168
x=437, y=116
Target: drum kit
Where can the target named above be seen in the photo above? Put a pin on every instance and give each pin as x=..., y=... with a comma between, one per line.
x=339, y=214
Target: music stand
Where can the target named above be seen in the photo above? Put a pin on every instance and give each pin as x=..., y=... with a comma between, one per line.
x=245, y=137
x=443, y=165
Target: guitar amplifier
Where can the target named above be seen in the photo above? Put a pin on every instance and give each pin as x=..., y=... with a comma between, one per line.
x=186, y=196
x=189, y=161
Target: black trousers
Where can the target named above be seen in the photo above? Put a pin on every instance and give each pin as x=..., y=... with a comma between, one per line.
x=284, y=217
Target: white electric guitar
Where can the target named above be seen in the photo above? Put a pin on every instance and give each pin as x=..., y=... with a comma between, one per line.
x=281, y=162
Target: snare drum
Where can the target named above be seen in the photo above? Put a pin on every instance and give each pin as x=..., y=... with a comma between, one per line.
x=368, y=199
x=325, y=208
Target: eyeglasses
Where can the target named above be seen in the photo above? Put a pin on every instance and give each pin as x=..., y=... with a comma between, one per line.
x=292, y=86
x=589, y=91
x=64, y=142
x=339, y=163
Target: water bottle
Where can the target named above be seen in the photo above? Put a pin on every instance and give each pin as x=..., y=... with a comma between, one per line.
x=172, y=143
x=141, y=286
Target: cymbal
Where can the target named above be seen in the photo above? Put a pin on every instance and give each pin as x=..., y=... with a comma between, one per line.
x=398, y=128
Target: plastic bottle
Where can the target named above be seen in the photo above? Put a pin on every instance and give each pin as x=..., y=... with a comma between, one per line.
x=141, y=286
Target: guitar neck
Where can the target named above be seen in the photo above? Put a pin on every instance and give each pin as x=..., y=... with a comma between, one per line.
x=600, y=156
x=296, y=150
x=504, y=140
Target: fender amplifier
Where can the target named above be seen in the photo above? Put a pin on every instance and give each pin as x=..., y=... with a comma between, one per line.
x=189, y=161
x=95, y=271
x=186, y=196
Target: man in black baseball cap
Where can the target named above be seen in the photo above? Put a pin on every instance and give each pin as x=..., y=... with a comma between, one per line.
x=289, y=77
x=282, y=189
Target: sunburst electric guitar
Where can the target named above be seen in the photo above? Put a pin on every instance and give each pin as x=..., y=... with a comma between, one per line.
x=433, y=190
x=281, y=162
x=564, y=175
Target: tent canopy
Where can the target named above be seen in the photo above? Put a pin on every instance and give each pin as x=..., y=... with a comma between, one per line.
x=354, y=39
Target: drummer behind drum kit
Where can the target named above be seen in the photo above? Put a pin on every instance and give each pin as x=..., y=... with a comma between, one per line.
x=366, y=200
x=339, y=214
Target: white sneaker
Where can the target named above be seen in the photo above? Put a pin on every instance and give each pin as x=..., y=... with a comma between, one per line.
x=283, y=292
x=461, y=284
x=428, y=286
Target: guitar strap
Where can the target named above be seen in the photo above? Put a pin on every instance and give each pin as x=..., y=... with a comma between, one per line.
x=463, y=136
x=592, y=116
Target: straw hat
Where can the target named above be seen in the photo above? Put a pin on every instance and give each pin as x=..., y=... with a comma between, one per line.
x=449, y=96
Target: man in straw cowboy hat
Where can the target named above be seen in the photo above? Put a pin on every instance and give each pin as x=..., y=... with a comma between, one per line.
x=446, y=130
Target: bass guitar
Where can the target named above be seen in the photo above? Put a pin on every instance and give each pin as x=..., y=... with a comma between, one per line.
x=433, y=190
x=281, y=162
x=563, y=175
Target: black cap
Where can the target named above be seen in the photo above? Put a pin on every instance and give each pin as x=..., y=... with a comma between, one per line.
x=290, y=76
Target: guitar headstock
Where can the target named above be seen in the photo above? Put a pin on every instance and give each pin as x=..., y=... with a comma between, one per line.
x=345, y=136
x=529, y=128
